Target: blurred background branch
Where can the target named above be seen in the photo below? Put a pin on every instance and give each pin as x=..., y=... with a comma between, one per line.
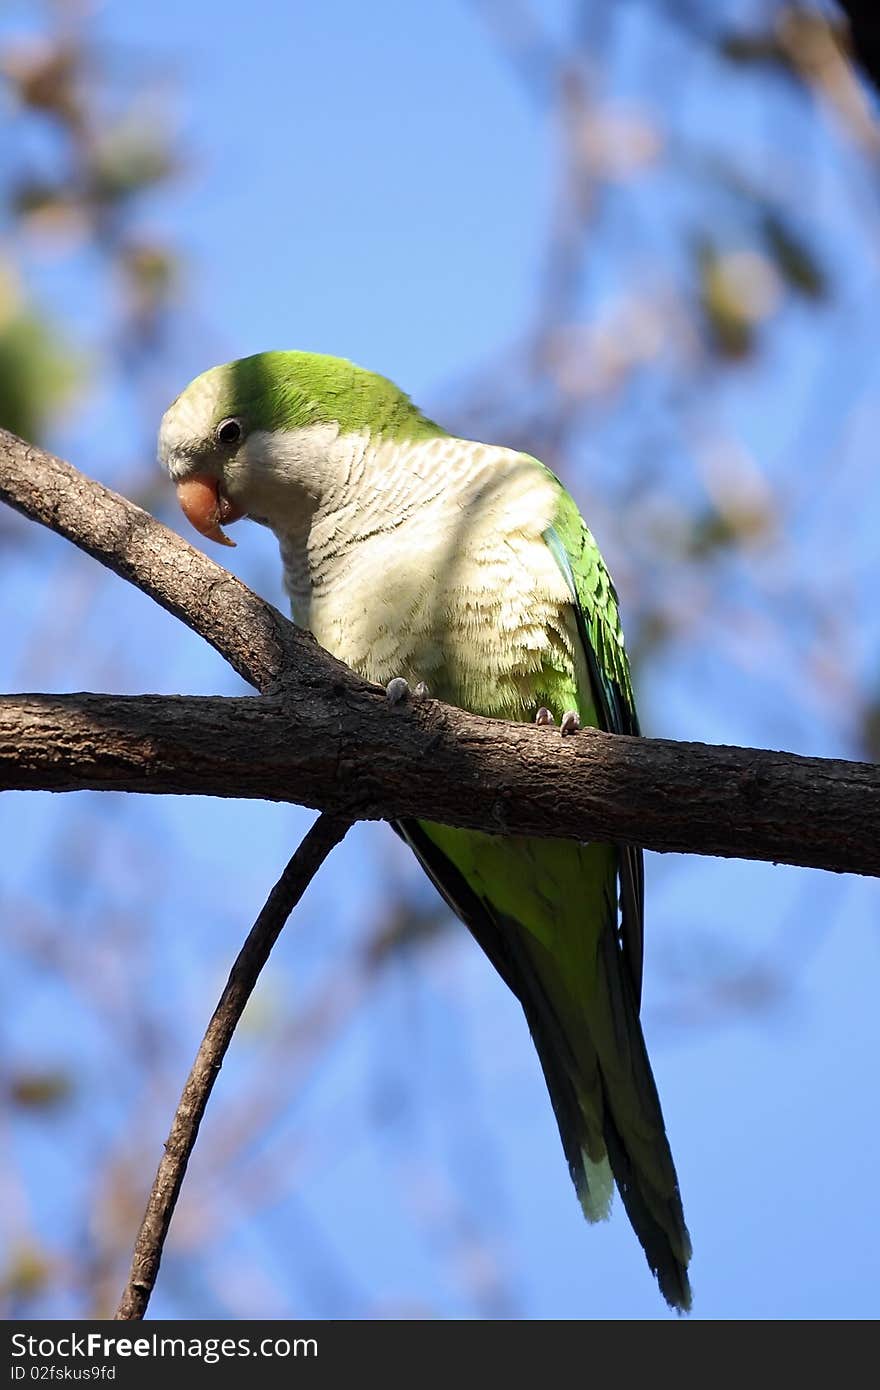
x=864, y=26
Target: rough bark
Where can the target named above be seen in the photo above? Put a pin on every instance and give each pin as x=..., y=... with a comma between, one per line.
x=338, y=747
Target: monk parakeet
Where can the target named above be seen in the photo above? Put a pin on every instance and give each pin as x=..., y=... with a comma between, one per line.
x=426, y=561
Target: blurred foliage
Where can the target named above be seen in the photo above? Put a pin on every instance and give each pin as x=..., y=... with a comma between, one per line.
x=798, y=265
x=736, y=291
x=739, y=289
x=410, y=924
x=108, y=146
x=40, y=1090
x=796, y=40
x=712, y=530
x=24, y=1275
x=36, y=373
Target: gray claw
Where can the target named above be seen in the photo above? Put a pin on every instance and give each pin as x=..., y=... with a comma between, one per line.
x=544, y=717
x=397, y=690
x=570, y=722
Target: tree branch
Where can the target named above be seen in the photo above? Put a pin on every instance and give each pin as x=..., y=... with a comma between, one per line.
x=301, y=869
x=865, y=33
x=248, y=632
x=344, y=751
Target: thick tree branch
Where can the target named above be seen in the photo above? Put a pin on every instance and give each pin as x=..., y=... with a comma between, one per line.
x=305, y=863
x=342, y=750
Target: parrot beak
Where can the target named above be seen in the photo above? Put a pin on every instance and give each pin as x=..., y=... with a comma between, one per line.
x=205, y=507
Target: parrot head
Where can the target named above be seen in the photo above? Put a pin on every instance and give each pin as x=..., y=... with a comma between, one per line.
x=253, y=437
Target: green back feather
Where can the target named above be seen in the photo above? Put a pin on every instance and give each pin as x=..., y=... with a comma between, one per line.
x=598, y=620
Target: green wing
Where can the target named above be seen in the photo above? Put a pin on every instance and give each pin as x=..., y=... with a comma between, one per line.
x=595, y=604
x=546, y=912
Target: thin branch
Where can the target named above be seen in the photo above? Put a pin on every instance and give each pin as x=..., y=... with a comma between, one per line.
x=345, y=751
x=317, y=844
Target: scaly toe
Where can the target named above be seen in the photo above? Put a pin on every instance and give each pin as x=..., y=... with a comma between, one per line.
x=544, y=717
x=570, y=722
x=397, y=690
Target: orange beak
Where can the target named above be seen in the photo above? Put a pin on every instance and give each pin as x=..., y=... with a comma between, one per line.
x=205, y=507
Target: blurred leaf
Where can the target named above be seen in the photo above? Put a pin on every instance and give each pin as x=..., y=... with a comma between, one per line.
x=150, y=267
x=729, y=326
x=26, y=1273
x=151, y=276
x=127, y=159
x=748, y=49
x=40, y=1090
x=34, y=195
x=792, y=257
x=712, y=530
x=43, y=77
x=49, y=208
x=737, y=290
x=408, y=926
x=36, y=374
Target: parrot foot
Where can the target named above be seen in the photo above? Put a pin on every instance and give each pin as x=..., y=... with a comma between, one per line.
x=571, y=722
x=398, y=690
x=544, y=717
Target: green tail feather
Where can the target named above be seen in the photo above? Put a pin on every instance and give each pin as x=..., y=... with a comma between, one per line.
x=596, y=1067
x=606, y=1104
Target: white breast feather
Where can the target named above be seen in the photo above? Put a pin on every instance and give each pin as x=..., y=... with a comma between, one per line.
x=441, y=574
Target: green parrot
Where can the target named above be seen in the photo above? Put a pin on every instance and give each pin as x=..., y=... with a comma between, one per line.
x=428, y=562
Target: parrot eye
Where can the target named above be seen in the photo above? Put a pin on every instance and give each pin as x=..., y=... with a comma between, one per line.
x=229, y=431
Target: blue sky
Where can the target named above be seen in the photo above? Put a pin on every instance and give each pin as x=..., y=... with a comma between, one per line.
x=358, y=170
x=375, y=182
